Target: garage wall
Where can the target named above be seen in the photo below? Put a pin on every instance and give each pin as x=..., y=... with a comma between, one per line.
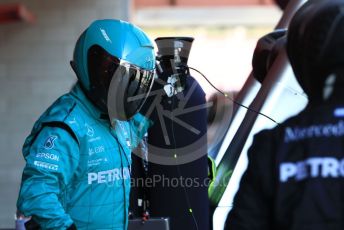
x=34, y=71
x=199, y=3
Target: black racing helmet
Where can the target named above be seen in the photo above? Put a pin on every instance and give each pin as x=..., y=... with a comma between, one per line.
x=315, y=44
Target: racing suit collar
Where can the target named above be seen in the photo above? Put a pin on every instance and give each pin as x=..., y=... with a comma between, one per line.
x=93, y=110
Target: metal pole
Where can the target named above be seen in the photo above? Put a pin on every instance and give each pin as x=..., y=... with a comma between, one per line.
x=234, y=161
x=252, y=86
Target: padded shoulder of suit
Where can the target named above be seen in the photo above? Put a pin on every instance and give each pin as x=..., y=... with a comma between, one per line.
x=66, y=111
x=60, y=110
x=57, y=115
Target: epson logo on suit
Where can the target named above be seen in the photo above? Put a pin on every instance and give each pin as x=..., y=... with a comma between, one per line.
x=49, y=156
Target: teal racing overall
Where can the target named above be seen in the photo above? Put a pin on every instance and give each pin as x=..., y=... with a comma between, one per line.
x=78, y=166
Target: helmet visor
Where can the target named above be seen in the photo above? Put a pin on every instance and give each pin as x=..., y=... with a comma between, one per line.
x=129, y=88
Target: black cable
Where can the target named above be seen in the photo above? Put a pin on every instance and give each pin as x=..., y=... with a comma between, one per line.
x=231, y=99
x=178, y=167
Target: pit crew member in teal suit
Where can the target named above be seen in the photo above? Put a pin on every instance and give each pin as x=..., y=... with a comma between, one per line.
x=78, y=157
